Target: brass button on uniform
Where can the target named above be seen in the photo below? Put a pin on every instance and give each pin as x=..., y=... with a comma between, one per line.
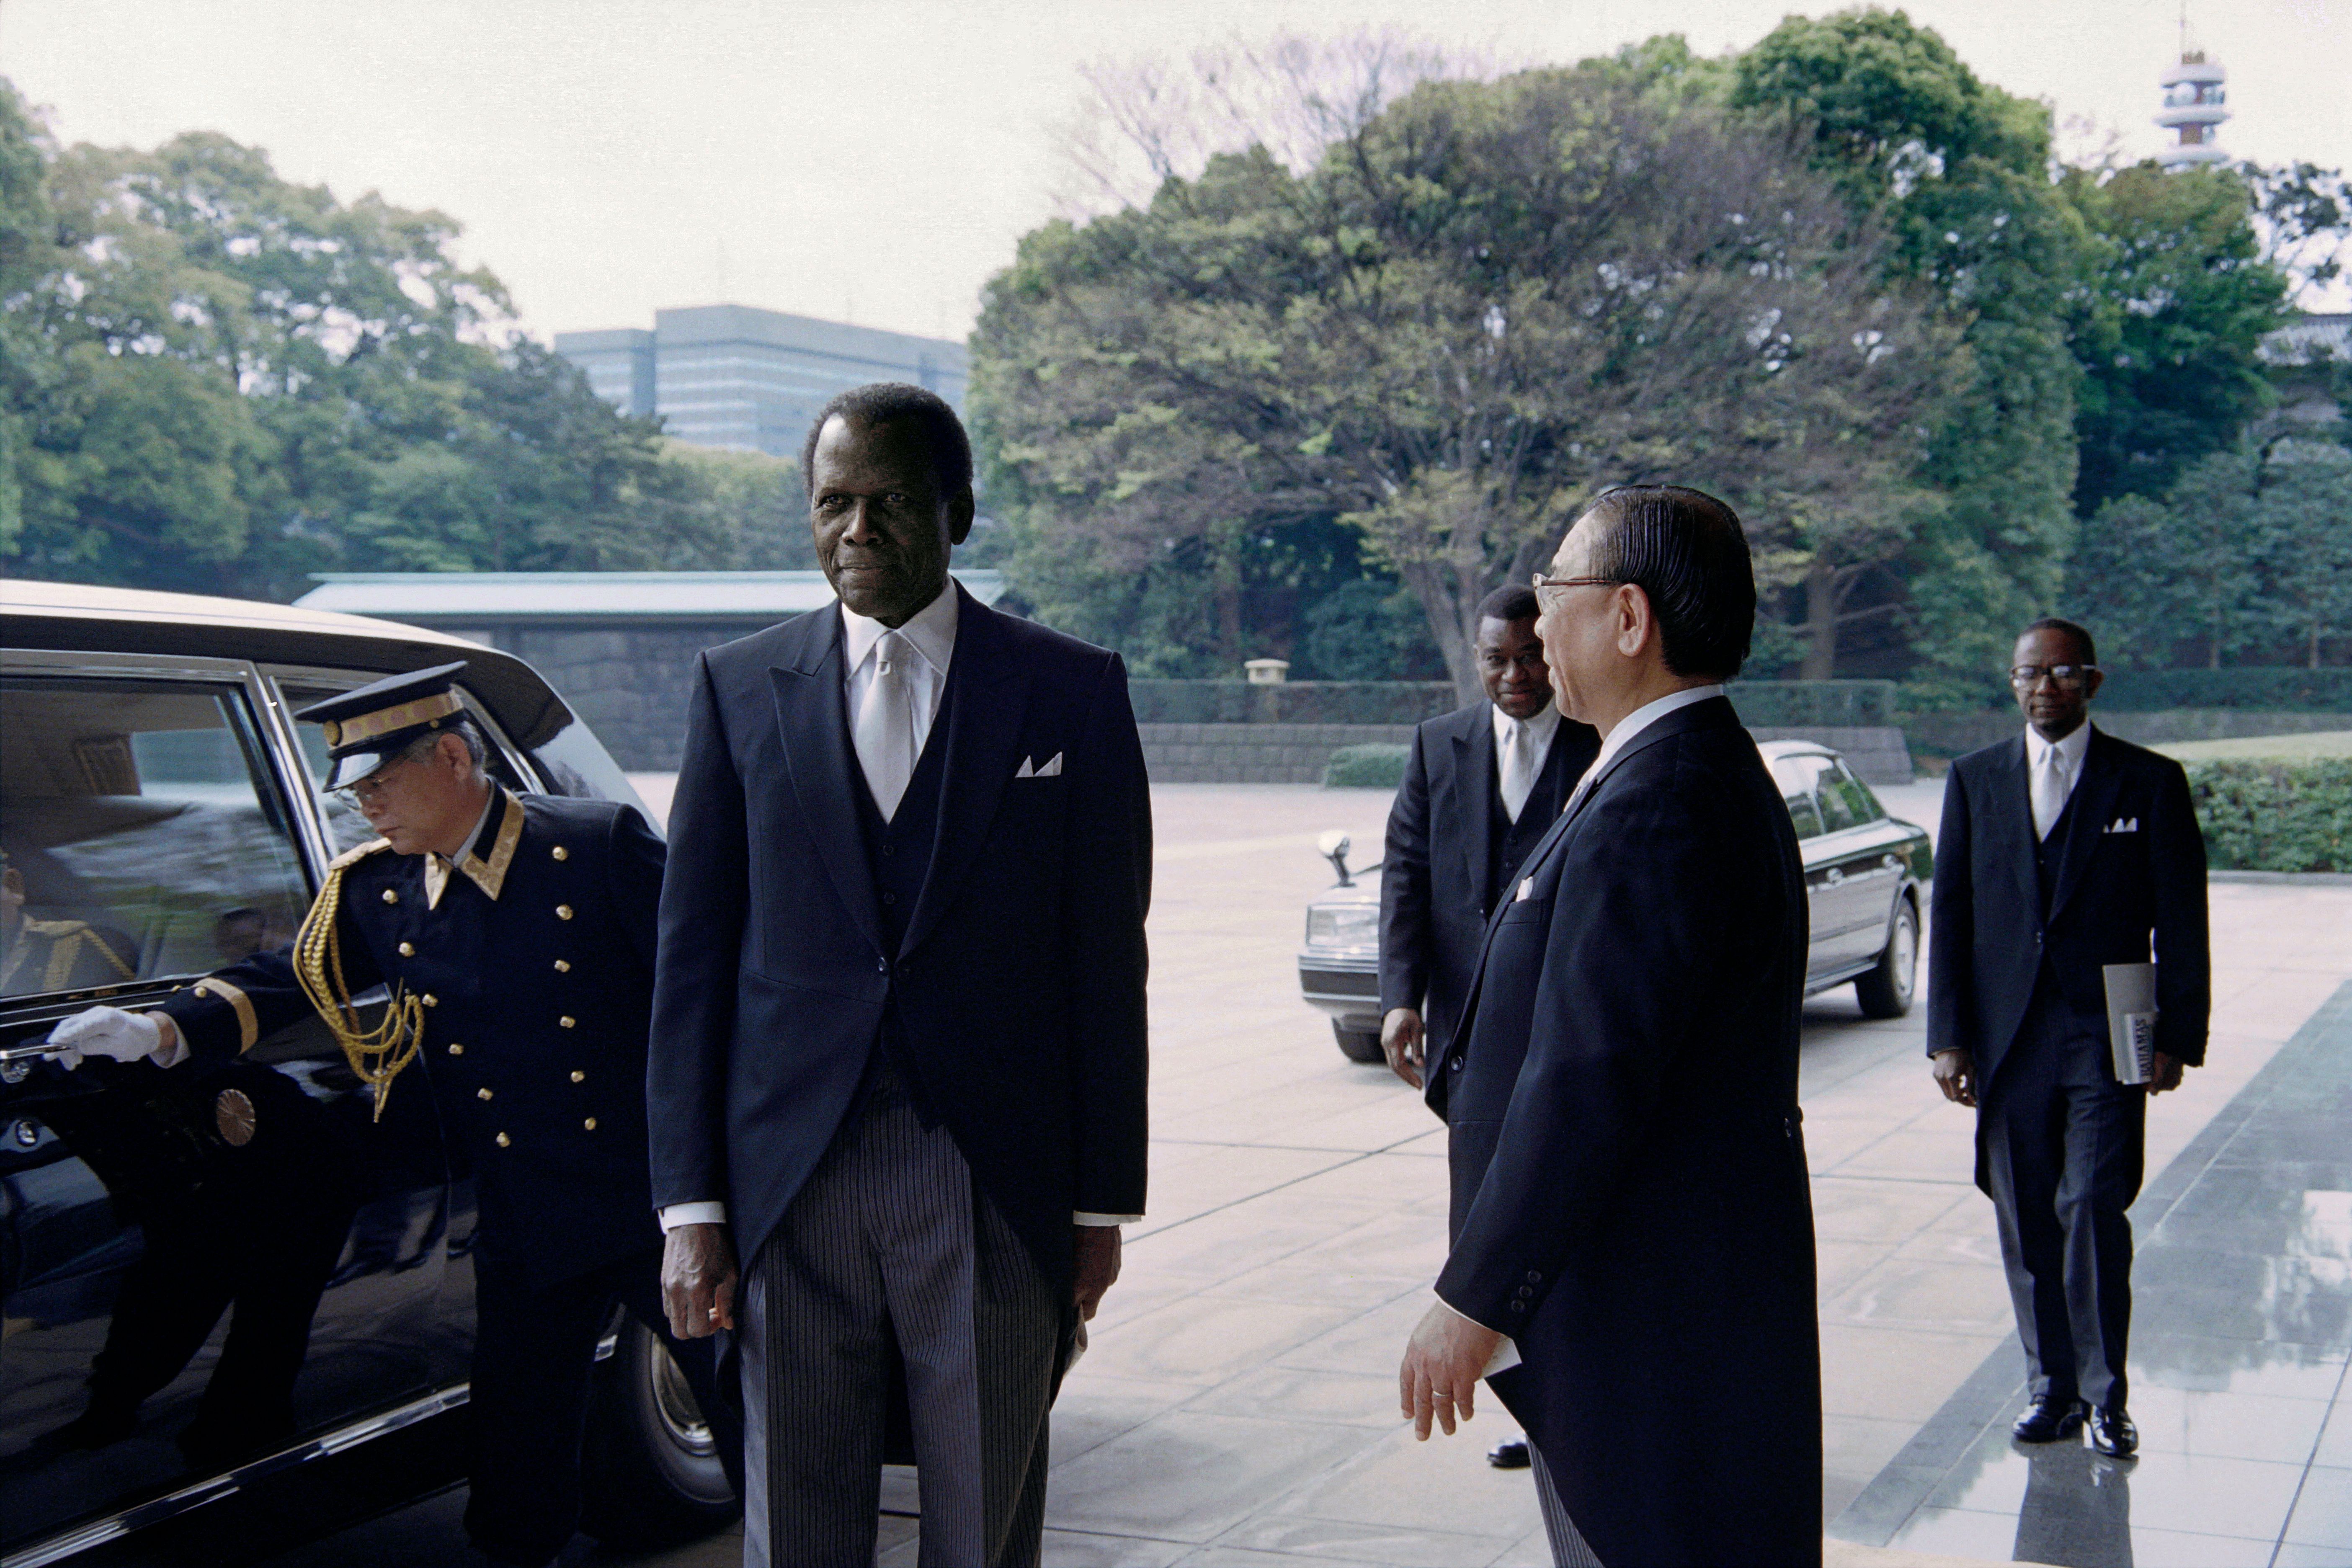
x=567, y=1020
x=590, y=1124
x=578, y=1077
x=482, y=1093
x=562, y=966
x=504, y=1140
x=560, y=853
x=407, y=949
x=391, y=897
x=563, y=911
x=455, y=1049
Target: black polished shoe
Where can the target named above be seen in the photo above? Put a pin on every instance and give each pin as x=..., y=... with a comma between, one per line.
x=2047, y=1419
x=1510, y=1454
x=2112, y=1432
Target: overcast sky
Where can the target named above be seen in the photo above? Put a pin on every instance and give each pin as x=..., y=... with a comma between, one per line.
x=877, y=162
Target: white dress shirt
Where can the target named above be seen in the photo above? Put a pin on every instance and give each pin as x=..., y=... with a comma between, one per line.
x=1632, y=724
x=1536, y=734
x=932, y=631
x=2069, y=754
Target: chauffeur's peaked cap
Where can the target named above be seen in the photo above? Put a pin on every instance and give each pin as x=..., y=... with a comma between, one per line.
x=367, y=728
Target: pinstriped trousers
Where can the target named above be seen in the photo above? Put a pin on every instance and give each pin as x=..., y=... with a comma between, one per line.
x=1568, y=1545
x=889, y=1238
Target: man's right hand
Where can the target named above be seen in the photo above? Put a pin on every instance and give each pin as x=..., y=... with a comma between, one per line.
x=1400, y=1042
x=111, y=1033
x=699, y=1281
x=1956, y=1074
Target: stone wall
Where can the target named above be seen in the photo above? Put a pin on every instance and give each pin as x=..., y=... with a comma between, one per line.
x=1955, y=735
x=1297, y=753
x=630, y=683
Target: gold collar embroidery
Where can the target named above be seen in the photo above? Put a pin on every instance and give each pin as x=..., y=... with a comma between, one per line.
x=488, y=875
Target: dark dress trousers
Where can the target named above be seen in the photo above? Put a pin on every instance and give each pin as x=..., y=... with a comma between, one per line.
x=537, y=981
x=1630, y=1201
x=1450, y=849
x=2021, y=929
x=904, y=1054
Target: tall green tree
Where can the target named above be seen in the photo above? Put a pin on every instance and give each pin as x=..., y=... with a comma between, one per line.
x=1485, y=300
x=1955, y=169
x=2169, y=325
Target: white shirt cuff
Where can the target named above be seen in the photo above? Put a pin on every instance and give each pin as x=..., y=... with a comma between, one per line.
x=1082, y=1217
x=711, y=1212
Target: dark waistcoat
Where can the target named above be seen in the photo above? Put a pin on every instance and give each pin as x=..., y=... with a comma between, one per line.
x=899, y=857
x=1510, y=843
x=2082, y=1042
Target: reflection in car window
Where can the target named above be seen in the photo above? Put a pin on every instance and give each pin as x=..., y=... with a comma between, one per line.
x=142, y=833
x=1857, y=797
x=1795, y=775
x=576, y=764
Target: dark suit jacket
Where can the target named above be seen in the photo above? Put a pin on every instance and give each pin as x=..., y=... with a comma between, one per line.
x=1019, y=984
x=1435, y=874
x=2120, y=897
x=1629, y=1195
x=552, y=979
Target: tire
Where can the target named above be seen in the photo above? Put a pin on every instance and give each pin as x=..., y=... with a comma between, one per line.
x=652, y=1474
x=1358, y=1045
x=1885, y=990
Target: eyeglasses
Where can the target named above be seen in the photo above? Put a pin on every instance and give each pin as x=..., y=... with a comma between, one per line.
x=1542, y=581
x=2025, y=677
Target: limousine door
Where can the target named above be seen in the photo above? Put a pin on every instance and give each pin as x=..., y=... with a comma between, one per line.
x=204, y=1265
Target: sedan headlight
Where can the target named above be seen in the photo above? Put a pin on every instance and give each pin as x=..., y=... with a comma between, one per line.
x=1343, y=925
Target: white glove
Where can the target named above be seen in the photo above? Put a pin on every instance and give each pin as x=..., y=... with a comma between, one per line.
x=107, y=1032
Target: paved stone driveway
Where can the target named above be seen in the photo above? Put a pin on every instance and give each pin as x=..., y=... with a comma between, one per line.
x=1238, y=1404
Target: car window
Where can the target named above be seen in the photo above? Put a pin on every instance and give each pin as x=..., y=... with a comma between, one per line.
x=1857, y=797
x=142, y=833
x=1795, y=776
x=576, y=764
x=345, y=827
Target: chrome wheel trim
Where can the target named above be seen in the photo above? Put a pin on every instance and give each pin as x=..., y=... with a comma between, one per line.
x=674, y=1402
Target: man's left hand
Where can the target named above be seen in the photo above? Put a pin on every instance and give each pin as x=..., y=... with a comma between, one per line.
x=1442, y=1363
x=2166, y=1075
x=1098, y=1250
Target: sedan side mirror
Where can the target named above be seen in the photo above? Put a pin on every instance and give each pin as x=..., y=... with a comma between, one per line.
x=1333, y=845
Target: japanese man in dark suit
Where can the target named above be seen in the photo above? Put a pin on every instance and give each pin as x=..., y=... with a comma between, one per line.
x=1631, y=1216
x=898, y=1018
x=2064, y=850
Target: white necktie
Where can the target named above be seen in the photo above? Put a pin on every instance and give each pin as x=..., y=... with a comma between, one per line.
x=2049, y=791
x=1518, y=768
x=885, y=735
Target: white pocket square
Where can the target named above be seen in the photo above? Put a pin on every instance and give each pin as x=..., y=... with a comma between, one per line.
x=1051, y=770
x=1527, y=891
x=2124, y=824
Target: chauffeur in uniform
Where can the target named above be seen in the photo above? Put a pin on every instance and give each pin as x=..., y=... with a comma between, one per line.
x=516, y=936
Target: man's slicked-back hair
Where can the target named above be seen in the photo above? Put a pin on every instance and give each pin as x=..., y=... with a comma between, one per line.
x=1687, y=551
x=1511, y=602
x=2080, y=635
x=893, y=403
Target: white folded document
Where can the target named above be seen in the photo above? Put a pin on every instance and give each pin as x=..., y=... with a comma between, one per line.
x=2131, y=1019
x=1505, y=1357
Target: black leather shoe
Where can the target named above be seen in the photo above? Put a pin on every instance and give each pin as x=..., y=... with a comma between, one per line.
x=2112, y=1432
x=1510, y=1454
x=2047, y=1419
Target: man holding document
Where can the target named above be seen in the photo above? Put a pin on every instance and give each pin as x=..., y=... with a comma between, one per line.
x=1632, y=1242
x=2068, y=979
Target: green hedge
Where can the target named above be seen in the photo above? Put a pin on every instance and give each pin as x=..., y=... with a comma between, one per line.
x=1814, y=704
x=1378, y=765
x=2326, y=690
x=2275, y=816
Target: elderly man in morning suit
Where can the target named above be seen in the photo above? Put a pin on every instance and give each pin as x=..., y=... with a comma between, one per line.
x=899, y=1069
x=1630, y=1209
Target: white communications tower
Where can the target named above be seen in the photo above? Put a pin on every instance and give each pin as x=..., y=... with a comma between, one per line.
x=2194, y=99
